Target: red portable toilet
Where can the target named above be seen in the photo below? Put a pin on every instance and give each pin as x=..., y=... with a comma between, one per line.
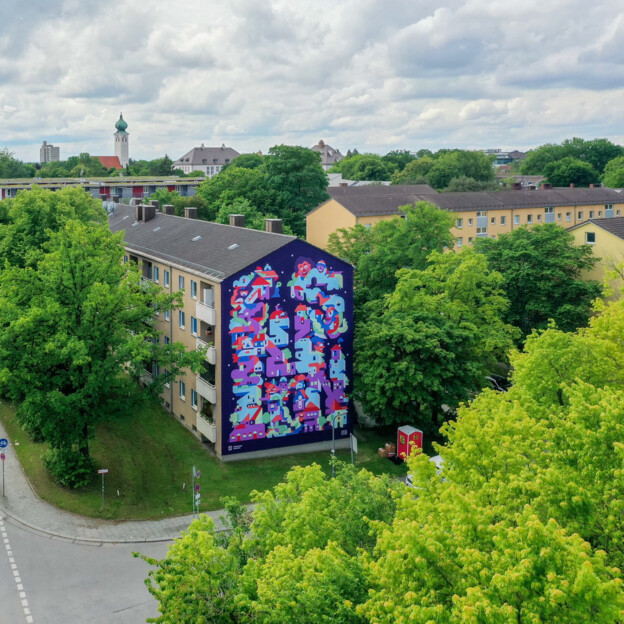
x=408, y=438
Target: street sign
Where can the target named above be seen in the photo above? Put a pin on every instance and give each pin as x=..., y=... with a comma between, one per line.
x=4, y=443
x=354, y=444
x=2, y=456
x=103, y=471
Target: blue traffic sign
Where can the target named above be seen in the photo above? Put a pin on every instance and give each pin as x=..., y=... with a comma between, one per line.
x=4, y=443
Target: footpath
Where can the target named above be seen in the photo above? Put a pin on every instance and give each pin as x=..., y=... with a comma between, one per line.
x=21, y=506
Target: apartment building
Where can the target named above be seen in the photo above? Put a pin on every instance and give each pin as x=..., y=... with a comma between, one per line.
x=209, y=160
x=275, y=316
x=49, y=153
x=477, y=214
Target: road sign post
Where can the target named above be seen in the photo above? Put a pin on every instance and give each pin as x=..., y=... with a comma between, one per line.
x=103, y=471
x=3, y=444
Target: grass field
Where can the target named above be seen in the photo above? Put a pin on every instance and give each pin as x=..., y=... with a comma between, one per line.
x=150, y=457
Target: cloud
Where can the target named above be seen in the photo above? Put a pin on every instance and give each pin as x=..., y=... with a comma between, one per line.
x=371, y=74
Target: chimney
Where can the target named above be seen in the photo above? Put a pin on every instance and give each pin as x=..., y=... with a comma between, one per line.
x=190, y=212
x=545, y=186
x=343, y=184
x=138, y=211
x=168, y=209
x=595, y=185
x=237, y=220
x=571, y=184
x=149, y=212
x=273, y=225
x=517, y=186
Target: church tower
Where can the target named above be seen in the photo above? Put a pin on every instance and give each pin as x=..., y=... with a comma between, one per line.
x=121, y=141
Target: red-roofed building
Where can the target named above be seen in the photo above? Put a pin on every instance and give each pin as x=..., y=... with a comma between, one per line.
x=110, y=162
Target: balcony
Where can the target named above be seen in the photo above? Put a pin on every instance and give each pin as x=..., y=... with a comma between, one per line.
x=211, y=353
x=206, y=389
x=206, y=313
x=145, y=378
x=206, y=427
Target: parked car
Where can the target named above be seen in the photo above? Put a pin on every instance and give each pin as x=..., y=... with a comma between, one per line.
x=436, y=459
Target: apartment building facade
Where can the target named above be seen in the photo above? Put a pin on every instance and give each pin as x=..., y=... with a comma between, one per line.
x=477, y=214
x=274, y=316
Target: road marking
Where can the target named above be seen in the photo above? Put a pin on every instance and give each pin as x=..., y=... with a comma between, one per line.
x=16, y=575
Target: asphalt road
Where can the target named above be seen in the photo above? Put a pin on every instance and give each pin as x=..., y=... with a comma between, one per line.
x=50, y=581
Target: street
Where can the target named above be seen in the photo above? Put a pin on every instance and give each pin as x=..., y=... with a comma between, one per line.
x=52, y=581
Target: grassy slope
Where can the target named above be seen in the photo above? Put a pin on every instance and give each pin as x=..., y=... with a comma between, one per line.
x=150, y=457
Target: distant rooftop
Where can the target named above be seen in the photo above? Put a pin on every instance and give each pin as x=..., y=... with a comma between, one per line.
x=203, y=156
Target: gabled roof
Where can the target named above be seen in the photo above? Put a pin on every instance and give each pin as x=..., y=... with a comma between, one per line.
x=365, y=201
x=613, y=225
x=202, y=156
x=110, y=161
x=221, y=250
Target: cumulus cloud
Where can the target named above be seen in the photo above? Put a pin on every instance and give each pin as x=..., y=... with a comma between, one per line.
x=371, y=74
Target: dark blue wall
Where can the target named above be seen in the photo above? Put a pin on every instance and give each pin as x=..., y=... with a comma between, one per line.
x=287, y=350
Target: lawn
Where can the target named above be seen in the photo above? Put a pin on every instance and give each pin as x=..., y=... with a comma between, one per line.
x=150, y=457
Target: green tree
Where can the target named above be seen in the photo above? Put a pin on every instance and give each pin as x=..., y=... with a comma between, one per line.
x=247, y=161
x=570, y=170
x=415, y=172
x=542, y=269
x=399, y=158
x=10, y=167
x=351, y=244
x=365, y=167
x=614, y=173
x=457, y=163
x=253, y=218
x=464, y=183
x=432, y=342
x=75, y=330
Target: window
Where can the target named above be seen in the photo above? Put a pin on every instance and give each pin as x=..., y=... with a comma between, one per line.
x=166, y=315
x=549, y=210
x=493, y=220
x=590, y=238
x=516, y=219
x=459, y=241
x=470, y=240
x=529, y=218
x=481, y=213
x=558, y=216
x=156, y=273
x=481, y=230
x=166, y=278
x=193, y=289
x=181, y=319
x=617, y=212
x=155, y=369
x=503, y=220
x=194, y=399
x=182, y=390
x=568, y=216
x=181, y=282
x=600, y=213
x=125, y=259
x=580, y=214
x=608, y=206
x=469, y=221
x=193, y=326
x=166, y=374
x=460, y=223
x=591, y=214
x=166, y=339
x=539, y=217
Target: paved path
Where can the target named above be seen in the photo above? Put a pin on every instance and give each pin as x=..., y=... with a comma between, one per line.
x=23, y=507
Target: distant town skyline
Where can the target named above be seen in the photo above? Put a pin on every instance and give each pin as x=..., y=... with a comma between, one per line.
x=370, y=75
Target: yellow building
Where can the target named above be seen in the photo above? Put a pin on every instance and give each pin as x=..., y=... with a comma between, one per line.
x=606, y=238
x=275, y=317
x=477, y=214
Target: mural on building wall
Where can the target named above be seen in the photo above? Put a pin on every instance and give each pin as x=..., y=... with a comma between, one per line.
x=289, y=373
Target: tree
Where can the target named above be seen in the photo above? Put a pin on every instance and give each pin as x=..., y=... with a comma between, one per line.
x=296, y=178
x=432, y=341
x=297, y=559
x=253, y=218
x=415, y=172
x=464, y=183
x=351, y=244
x=247, y=161
x=614, y=173
x=570, y=170
x=76, y=329
x=401, y=243
x=10, y=167
x=365, y=167
x=542, y=269
x=399, y=158
x=454, y=164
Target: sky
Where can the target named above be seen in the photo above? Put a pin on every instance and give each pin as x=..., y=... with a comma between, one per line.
x=375, y=75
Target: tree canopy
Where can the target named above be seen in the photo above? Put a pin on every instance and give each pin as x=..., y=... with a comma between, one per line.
x=541, y=269
x=11, y=167
x=570, y=170
x=365, y=167
x=614, y=173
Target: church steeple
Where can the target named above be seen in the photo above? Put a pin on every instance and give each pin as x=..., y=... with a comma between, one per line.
x=121, y=141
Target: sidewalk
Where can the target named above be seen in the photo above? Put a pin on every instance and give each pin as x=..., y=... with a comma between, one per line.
x=21, y=506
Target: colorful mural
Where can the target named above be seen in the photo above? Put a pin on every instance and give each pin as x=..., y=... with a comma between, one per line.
x=289, y=373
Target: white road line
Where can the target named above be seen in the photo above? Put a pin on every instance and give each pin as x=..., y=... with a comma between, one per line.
x=18, y=580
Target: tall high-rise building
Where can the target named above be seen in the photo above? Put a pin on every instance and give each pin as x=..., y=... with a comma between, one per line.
x=49, y=153
x=121, y=141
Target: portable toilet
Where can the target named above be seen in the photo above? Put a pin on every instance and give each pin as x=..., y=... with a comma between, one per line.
x=408, y=437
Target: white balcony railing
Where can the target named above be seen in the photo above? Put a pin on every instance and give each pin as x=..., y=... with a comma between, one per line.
x=206, y=313
x=211, y=352
x=206, y=390
x=145, y=378
x=206, y=427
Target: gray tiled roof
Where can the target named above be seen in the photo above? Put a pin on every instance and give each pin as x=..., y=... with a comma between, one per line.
x=208, y=156
x=614, y=225
x=173, y=242
x=385, y=200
